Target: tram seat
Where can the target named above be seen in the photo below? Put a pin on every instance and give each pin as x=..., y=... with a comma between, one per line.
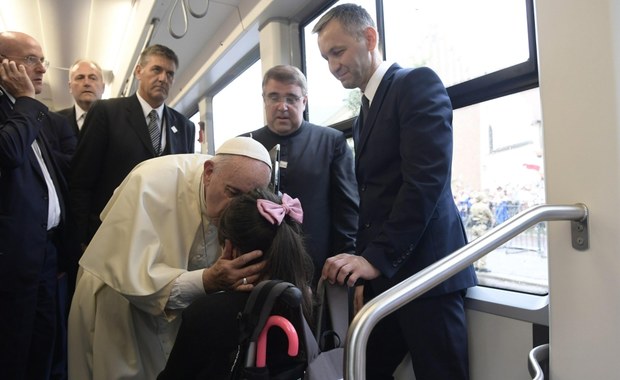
x=538, y=363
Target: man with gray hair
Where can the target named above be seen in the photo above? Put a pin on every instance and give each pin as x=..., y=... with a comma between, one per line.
x=155, y=252
x=120, y=133
x=87, y=86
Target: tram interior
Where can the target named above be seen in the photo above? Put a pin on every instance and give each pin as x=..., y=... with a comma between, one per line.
x=504, y=324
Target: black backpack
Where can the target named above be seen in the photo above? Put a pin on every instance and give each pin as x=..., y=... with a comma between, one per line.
x=270, y=301
x=279, y=302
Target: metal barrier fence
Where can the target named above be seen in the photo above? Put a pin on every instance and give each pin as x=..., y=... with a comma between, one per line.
x=534, y=239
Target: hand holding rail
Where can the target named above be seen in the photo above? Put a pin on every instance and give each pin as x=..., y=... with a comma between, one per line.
x=416, y=285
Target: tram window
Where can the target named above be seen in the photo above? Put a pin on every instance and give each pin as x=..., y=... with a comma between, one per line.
x=195, y=119
x=474, y=38
x=238, y=108
x=492, y=79
x=498, y=163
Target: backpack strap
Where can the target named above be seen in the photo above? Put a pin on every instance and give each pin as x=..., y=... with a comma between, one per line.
x=258, y=309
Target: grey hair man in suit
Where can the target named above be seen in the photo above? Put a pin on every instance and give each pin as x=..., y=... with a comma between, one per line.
x=86, y=85
x=120, y=133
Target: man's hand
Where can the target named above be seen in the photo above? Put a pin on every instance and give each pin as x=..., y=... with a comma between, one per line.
x=15, y=79
x=229, y=273
x=347, y=269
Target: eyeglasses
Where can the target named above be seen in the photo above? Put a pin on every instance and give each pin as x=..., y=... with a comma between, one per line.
x=273, y=99
x=30, y=60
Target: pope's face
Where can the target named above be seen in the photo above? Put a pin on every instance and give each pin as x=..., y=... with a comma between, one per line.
x=230, y=177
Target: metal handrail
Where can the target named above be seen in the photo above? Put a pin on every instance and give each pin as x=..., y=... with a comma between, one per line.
x=538, y=357
x=421, y=282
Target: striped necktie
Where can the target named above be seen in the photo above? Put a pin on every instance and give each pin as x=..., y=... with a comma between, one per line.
x=155, y=131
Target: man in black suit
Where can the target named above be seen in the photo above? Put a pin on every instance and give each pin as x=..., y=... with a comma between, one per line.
x=120, y=133
x=408, y=219
x=32, y=211
x=87, y=86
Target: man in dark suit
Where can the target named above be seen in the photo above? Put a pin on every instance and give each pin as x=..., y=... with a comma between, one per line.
x=408, y=219
x=120, y=133
x=87, y=86
x=32, y=211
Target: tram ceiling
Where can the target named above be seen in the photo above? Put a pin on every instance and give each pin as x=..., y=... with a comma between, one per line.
x=113, y=32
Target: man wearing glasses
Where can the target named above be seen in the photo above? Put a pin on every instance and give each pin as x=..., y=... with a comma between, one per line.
x=32, y=211
x=316, y=166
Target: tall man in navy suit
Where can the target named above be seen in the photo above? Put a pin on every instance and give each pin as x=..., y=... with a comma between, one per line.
x=408, y=219
x=87, y=86
x=35, y=146
x=120, y=133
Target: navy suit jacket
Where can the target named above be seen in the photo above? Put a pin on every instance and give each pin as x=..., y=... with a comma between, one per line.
x=23, y=191
x=403, y=158
x=114, y=139
x=69, y=114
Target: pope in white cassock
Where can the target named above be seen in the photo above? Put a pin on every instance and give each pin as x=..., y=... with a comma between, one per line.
x=147, y=261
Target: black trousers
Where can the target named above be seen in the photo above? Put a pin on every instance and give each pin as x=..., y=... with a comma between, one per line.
x=29, y=324
x=433, y=330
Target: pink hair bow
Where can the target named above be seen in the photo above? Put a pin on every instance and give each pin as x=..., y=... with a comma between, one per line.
x=274, y=212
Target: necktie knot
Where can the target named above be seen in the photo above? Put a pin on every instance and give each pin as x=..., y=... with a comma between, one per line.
x=155, y=131
x=80, y=120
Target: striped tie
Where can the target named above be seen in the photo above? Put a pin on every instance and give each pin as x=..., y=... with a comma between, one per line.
x=155, y=131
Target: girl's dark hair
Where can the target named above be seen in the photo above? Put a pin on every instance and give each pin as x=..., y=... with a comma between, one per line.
x=282, y=245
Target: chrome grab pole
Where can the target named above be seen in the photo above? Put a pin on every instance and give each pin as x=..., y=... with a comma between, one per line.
x=416, y=285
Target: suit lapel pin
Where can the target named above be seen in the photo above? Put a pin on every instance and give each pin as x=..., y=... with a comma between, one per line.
x=174, y=129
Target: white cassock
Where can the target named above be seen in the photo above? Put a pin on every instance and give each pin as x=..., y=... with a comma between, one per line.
x=119, y=327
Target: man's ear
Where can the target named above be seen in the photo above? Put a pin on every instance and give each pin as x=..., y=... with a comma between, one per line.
x=137, y=72
x=370, y=35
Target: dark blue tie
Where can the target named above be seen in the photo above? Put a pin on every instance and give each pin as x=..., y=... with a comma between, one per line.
x=365, y=108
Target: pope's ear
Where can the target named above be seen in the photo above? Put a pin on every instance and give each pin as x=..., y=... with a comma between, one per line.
x=208, y=170
x=227, y=251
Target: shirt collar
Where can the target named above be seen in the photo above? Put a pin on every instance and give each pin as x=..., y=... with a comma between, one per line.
x=146, y=108
x=78, y=112
x=375, y=80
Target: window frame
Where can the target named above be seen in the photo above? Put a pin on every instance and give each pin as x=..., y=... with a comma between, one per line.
x=507, y=81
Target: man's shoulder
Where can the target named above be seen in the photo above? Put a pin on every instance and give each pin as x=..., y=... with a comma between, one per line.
x=412, y=73
x=177, y=115
x=66, y=112
x=58, y=119
x=113, y=104
x=317, y=130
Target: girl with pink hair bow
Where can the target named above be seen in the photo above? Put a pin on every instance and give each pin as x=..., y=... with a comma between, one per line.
x=207, y=341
